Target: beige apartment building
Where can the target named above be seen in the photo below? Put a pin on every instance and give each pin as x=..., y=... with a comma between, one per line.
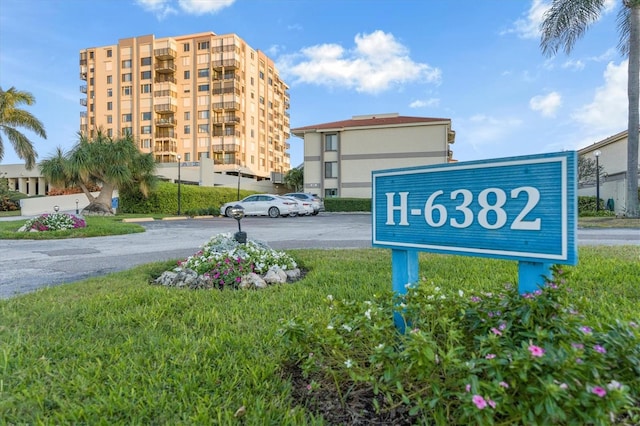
x=340, y=156
x=190, y=98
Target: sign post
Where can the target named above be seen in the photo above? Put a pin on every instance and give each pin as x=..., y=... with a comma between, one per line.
x=517, y=208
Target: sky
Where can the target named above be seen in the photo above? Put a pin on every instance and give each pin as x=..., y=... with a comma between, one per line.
x=476, y=62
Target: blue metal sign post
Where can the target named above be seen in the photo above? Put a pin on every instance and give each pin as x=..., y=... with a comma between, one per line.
x=518, y=208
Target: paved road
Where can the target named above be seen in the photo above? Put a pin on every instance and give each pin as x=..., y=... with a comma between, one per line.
x=26, y=265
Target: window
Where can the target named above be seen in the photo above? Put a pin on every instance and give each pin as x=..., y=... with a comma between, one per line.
x=126, y=77
x=127, y=131
x=146, y=116
x=203, y=128
x=109, y=53
x=203, y=72
x=145, y=130
x=91, y=81
x=203, y=88
x=126, y=118
x=203, y=45
x=126, y=63
x=145, y=61
x=187, y=129
x=186, y=47
x=110, y=133
x=109, y=79
x=187, y=115
x=252, y=81
x=187, y=156
x=90, y=55
x=262, y=100
x=331, y=142
x=109, y=93
x=331, y=169
x=145, y=143
x=145, y=88
x=145, y=75
x=109, y=106
x=203, y=114
x=126, y=90
x=330, y=192
x=109, y=119
x=187, y=75
x=261, y=75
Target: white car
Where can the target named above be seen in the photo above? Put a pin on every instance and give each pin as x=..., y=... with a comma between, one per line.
x=305, y=208
x=316, y=202
x=263, y=205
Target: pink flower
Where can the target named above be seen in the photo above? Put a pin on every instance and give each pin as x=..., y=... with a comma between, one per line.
x=599, y=391
x=496, y=331
x=491, y=403
x=490, y=356
x=309, y=387
x=536, y=351
x=502, y=326
x=479, y=401
x=577, y=345
x=504, y=385
x=579, y=361
x=467, y=388
x=586, y=330
x=600, y=349
x=563, y=386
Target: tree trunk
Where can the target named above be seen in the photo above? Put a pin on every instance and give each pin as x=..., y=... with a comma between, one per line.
x=101, y=205
x=632, y=209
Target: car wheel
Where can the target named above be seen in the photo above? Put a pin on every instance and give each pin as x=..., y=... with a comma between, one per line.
x=293, y=214
x=274, y=212
x=227, y=212
x=315, y=213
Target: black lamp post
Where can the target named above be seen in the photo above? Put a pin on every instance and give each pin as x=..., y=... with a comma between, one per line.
x=179, y=195
x=238, y=196
x=77, y=210
x=237, y=212
x=597, y=154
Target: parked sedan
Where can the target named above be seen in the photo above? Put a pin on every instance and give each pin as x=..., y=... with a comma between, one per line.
x=262, y=205
x=316, y=202
x=304, y=207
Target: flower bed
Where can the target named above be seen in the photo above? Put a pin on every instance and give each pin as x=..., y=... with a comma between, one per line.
x=53, y=222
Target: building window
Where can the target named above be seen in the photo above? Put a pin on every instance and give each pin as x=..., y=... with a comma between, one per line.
x=145, y=61
x=109, y=106
x=203, y=88
x=186, y=47
x=145, y=88
x=126, y=77
x=91, y=81
x=331, y=169
x=146, y=116
x=204, y=72
x=126, y=118
x=331, y=142
x=90, y=55
x=203, y=114
x=330, y=192
x=127, y=131
x=109, y=53
x=187, y=129
x=110, y=133
x=261, y=100
x=187, y=156
x=145, y=75
x=145, y=143
x=126, y=90
x=109, y=93
x=109, y=79
x=109, y=119
x=145, y=130
x=126, y=63
x=187, y=115
x=187, y=75
x=252, y=81
x=203, y=128
x=261, y=75
x=203, y=45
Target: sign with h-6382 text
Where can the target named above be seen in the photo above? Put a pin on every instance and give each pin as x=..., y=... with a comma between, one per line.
x=519, y=208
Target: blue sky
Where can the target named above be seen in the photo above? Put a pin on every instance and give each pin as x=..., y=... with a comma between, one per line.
x=477, y=62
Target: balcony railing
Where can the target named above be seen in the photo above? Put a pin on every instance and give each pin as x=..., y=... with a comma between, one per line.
x=83, y=76
x=226, y=120
x=227, y=147
x=165, y=53
x=83, y=101
x=164, y=79
x=226, y=105
x=166, y=122
x=165, y=108
x=226, y=63
x=83, y=89
x=165, y=67
x=165, y=135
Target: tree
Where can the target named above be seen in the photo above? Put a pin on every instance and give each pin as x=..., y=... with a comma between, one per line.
x=11, y=117
x=294, y=179
x=587, y=170
x=564, y=23
x=109, y=163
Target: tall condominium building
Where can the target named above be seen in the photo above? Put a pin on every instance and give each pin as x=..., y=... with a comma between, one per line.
x=190, y=97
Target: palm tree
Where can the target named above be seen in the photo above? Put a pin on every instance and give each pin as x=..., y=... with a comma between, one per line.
x=294, y=179
x=103, y=161
x=11, y=117
x=564, y=23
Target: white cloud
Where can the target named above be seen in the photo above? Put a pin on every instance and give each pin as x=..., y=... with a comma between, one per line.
x=529, y=26
x=573, y=64
x=484, y=132
x=376, y=63
x=424, y=103
x=547, y=105
x=202, y=7
x=609, y=108
x=161, y=8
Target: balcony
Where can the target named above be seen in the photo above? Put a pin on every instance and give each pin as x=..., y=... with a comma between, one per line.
x=164, y=78
x=83, y=101
x=451, y=136
x=165, y=134
x=165, y=67
x=226, y=105
x=83, y=76
x=83, y=114
x=227, y=147
x=83, y=89
x=226, y=120
x=165, y=53
x=166, y=122
x=226, y=63
x=165, y=108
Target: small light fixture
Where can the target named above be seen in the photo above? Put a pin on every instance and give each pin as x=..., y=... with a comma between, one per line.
x=237, y=212
x=56, y=208
x=597, y=155
x=77, y=210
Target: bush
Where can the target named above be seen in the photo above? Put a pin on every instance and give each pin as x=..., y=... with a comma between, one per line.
x=54, y=222
x=347, y=204
x=8, y=205
x=471, y=359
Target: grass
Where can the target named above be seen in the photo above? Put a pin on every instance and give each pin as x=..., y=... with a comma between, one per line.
x=116, y=350
x=608, y=222
x=9, y=213
x=97, y=226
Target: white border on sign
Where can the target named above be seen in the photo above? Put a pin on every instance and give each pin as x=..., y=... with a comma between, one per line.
x=563, y=202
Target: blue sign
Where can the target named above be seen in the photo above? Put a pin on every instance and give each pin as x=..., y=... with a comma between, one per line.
x=521, y=208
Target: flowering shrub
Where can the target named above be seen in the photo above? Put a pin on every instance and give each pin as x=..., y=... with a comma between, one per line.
x=225, y=261
x=54, y=222
x=472, y=359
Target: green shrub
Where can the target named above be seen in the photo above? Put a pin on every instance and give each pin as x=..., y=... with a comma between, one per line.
x=488, y=358
x=164, y=199
x=347, y=204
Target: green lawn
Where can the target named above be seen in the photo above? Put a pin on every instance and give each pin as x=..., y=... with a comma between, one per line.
x=117, y=350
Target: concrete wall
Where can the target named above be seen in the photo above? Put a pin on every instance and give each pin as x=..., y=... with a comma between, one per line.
x=65, y=203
